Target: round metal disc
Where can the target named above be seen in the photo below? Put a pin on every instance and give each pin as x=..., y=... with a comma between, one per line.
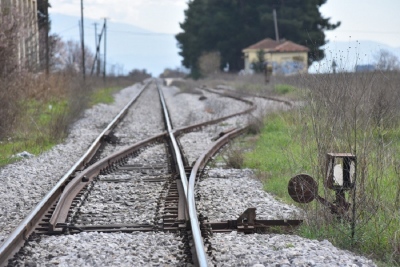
x=303, y=188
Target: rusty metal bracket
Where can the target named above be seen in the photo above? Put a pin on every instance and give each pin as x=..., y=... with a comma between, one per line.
x=246, y=221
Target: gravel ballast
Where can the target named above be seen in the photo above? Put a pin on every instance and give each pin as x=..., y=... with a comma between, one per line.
x=257, y=250
x=226, y=193
x=100, y=249
x=124, y=197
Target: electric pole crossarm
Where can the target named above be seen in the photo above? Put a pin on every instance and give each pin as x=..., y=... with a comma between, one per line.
x=97, y=50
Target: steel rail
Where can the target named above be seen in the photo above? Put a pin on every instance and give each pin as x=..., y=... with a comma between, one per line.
x=60, y=214
x=186, y=129
x=17, y=238
x=200, y=164
x=197, y=238
x=189, y=188
x=235, y=94
x=177, y=151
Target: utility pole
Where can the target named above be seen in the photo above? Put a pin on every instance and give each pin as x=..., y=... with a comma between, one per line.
x=95, y=33
x=83, y=43
x=105, y=50
x=97, y=43
x=276, y=26
x=97, y=56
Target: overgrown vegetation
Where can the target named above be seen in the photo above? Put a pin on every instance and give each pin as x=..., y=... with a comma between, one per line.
x=104, y=95
x=345, y=112
x=37, y=113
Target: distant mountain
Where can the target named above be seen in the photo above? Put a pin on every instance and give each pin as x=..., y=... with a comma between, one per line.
x=349, y=54
x=127, y=45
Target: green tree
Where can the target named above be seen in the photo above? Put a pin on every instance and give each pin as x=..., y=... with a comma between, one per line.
x=259, y=66
x=228, y=26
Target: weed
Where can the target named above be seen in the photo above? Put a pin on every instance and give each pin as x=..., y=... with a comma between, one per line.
x=233, y=157
x=283, y=89
x=104, y=95
x=255, y=125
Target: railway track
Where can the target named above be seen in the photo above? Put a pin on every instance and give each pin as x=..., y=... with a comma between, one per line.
x=78, y=211
x=139, y=191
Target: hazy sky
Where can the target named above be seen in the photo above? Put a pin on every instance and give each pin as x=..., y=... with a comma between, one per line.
x=373, y=20
x=361, y=19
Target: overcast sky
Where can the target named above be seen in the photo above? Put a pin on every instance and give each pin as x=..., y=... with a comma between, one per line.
x=361, y=19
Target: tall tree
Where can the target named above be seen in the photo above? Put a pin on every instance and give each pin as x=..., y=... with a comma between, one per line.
x=228, y=26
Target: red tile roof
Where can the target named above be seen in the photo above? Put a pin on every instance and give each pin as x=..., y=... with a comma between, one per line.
x=273, y=46
x=267, y=44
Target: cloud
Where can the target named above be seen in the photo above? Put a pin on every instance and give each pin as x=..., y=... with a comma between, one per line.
x=154, y=15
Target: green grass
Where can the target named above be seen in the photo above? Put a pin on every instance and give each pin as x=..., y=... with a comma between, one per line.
x=34, y=146
x=286, y=90
x=41, y=125
x=286, y=147
x=252, y=87
x=34, y=130
x=274, y=152
x=105, y=95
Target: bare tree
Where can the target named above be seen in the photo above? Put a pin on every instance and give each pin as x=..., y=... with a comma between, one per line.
x=68, y=56
x=387, y=61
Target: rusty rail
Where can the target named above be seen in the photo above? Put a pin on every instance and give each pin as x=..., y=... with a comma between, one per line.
x=186, y=129
x=198, y=166
x=60, y=214
x=235, y=94
x=17, y=238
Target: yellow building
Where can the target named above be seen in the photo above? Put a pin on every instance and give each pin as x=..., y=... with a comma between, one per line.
x=285, y=57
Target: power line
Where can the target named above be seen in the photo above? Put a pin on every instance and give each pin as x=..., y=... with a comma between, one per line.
x=125, y=32
x=67, y=29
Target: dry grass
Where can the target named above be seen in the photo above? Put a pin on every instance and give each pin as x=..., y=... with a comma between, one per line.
x=187, y=86
x=233, y=157
x=358, y=113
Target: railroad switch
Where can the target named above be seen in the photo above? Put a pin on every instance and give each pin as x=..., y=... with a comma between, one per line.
x=340, y=177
